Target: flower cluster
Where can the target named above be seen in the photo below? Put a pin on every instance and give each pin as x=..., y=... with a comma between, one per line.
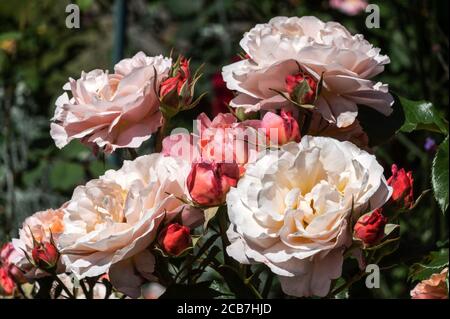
x=287, y=179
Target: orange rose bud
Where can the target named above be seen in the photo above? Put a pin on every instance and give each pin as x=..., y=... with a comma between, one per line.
x=209, y=182
x=174, y=239
x=370, y=227
x=45, y=255
x=284, y=125
x=402, y=184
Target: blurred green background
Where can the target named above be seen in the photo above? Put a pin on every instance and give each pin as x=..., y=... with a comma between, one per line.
x=38, y=53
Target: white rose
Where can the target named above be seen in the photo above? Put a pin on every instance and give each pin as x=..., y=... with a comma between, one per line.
x=276, y=49
x=291, y=210
x=111, y=221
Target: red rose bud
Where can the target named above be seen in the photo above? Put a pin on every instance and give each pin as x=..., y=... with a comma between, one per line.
x=284, y=125
x=180, y=76
x=174, y=239
x=177, y=91
x=45, y=255
x=208, y=183
x=301, y=88
x=370, y=227
x=402, y=184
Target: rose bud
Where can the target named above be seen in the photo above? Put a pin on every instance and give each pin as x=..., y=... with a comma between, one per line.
x=179, y=77
x=45, y=255
x=402, y=184
x=7, y=283
x=286, y=127
x=174, y=239
x=177, y=91
x=370, y=227
x=302, y=88
x=209, y=182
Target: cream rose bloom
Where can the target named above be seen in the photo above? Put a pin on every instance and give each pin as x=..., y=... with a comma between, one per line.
x=292, y=210
x=277, y=49
x=111, y=221
x=42, y=226
x=112, y=111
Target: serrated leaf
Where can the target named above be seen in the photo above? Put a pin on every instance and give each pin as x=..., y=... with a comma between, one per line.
x=421, y=115
x=433, y=263
x=439, y=175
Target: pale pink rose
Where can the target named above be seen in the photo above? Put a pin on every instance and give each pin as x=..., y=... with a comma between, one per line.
x=434, y=287
x=292, y=210
x=111, y=111
x=309, y=47
x=43, y=226
x=111, y=221
x=222, y=140
x=349, y=7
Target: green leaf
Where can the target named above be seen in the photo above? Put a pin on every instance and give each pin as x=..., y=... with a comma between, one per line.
x=65, y=176
x=439, y=175
x=421, y=115
x=434, y=263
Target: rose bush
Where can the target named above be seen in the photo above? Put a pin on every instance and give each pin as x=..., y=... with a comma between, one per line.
x=274, y=199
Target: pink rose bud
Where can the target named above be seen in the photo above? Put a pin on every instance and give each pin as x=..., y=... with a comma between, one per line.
x=370, y=227
x=45, y=255
x=293, y=85
x=286, y=126
x=7, y=283
x=209, y=182
x=174, y=239
x=402, y=184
